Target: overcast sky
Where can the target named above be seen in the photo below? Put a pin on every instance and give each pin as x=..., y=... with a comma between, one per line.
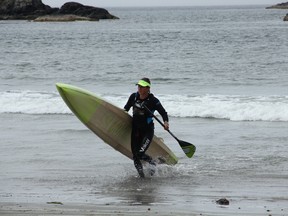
x=132, y=3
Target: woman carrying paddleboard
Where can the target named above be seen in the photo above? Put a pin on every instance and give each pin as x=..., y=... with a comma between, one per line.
x=144, y=105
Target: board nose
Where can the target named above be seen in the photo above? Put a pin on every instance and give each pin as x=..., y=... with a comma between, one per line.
x=78, y=100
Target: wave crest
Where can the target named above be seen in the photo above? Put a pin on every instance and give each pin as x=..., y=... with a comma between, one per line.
x=230, y=107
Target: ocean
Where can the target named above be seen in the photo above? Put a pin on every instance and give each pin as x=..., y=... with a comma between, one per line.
x=220, y=72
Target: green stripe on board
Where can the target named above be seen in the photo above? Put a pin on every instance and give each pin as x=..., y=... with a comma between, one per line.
x=84, y=102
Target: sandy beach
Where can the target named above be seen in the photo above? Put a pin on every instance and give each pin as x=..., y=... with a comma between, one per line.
x=78, y=209
x=84, y=209
x=32, y=209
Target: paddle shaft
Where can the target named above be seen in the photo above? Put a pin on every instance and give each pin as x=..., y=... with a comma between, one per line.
x=161, y=123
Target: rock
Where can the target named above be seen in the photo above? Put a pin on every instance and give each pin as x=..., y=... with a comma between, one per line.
x=31, y=9
x=279, y=6
x=222, y=201
x=85, y=11
x=23, y=9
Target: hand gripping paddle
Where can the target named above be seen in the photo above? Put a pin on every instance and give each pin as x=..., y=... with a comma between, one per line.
x=188, y=148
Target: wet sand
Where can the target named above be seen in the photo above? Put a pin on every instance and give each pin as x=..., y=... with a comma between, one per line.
x=110, y=209
x=78, y=209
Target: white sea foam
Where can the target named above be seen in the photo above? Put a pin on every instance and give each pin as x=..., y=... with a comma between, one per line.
x=32, y=102
x=231, y=107
x=235, y=107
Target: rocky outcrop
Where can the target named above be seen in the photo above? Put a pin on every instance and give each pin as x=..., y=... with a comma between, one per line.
x=31, y=9
x=279, y=6
x=85, y=11
x=23, y=9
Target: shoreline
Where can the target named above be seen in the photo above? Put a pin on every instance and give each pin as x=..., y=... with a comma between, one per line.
x=15, y=209
x=80, y=209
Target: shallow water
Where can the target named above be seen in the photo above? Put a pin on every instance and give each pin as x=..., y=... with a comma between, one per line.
x=69, y=164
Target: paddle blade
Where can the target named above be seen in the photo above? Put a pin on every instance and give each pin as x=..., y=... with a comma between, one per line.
x=188, y=148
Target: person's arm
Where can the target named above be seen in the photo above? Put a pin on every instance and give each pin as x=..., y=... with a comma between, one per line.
x=163, y=113
x=130, y=102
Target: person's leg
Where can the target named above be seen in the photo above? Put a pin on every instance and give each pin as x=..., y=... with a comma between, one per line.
x=145, y=143
x=144, y=147
x=135, y=147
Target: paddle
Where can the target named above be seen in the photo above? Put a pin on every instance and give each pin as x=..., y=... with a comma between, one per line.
x=188, y=148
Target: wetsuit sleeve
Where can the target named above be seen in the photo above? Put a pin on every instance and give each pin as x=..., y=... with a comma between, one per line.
x=130, y=102
x=161, y=110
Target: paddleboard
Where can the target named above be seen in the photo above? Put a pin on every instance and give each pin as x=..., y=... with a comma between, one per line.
x=112, y=124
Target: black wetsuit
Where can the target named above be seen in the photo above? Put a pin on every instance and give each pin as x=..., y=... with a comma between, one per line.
x=143, y=126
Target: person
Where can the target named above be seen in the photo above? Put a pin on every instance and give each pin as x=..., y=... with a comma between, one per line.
x=142, y=123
